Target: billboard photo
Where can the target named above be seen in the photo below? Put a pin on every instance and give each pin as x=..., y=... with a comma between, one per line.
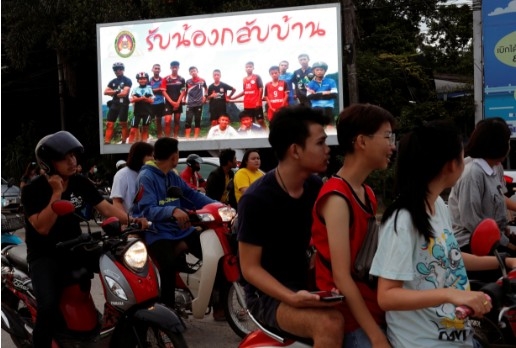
x=198, y=47
x=499, y=52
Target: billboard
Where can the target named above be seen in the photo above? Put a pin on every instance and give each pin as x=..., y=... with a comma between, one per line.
x=226, y=42
x=499, y=52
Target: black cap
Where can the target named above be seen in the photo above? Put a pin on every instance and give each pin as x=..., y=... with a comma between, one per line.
x=174, y=63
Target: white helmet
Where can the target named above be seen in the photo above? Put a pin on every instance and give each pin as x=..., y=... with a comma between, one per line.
x=120, y=164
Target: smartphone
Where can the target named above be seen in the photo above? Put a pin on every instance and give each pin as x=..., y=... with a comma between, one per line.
x=328, y=296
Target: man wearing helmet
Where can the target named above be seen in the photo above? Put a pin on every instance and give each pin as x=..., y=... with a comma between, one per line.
x=142, y=97
x=191, y=174
x=118, y=88
x=322, y=91
x=49, y=265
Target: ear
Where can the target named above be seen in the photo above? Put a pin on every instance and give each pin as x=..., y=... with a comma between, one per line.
x=294, y=149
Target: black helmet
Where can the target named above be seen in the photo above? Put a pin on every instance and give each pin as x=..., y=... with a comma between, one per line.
x=118, y=65
x=321, y=65
x=192, y=159
x=54, y=147
x=142, y=75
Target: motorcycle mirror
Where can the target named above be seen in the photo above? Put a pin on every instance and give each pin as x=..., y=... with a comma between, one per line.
x=485, y=238
x=111, y=226
x=174, y=192
x=63, y=207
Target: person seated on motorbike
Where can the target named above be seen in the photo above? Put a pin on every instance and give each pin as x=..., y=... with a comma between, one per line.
x=422, y=275
x=191, y=174
x=480, y=191
x=172, y=233
x=48, y=265
x=274, y=232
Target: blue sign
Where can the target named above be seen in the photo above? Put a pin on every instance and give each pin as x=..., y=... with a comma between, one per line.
x=499, y=45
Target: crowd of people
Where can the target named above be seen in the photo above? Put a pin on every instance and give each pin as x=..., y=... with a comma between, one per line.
x=422, y=266
x=162, y=100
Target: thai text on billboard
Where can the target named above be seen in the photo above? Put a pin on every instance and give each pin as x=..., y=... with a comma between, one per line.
x=224, y=42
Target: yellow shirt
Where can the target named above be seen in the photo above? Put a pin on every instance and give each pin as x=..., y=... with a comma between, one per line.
x=243, y=179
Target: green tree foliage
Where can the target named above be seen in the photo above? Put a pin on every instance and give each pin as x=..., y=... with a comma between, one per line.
x=448, y=44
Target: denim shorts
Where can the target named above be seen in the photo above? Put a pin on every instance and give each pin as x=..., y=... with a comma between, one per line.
x=264, y=310
x=357, y=339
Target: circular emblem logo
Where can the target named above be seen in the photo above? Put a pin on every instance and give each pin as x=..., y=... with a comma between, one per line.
x=125, y=44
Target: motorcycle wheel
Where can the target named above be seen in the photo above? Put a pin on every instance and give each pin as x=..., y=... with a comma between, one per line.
x=236, y=314
x=159, y=337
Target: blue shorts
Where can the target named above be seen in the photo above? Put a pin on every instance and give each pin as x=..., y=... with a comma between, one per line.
x=264, y=309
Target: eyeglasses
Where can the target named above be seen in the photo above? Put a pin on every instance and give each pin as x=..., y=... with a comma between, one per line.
x=389, y=135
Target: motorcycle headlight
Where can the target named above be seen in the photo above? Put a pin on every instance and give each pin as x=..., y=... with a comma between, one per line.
x=135, y=256
x=205, y=217
x=227, y=213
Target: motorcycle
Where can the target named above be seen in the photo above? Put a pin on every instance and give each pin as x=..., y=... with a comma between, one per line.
x=269, y=338
x=195, y=283
x=131, y=316
x=498, y=327
x=11, y=223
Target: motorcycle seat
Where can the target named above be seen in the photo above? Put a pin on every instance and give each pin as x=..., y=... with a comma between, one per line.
x=17, y=256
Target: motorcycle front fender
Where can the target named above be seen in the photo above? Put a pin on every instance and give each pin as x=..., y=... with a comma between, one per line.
x=211, y=254
x=161, y=316
x=156, y=315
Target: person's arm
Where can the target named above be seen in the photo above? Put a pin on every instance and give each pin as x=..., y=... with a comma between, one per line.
x=233, y=90
x=336, y=214
x=124, y=92
x=46, y=218
x=252, y=270
x=237, y=96
x=393, y=297
x=484, y=263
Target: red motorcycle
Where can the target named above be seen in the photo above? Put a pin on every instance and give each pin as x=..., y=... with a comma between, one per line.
x=131, y=317
x=196, y=283
x=498, y=327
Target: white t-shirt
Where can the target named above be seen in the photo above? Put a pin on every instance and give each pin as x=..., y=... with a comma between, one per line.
x=124, y=187
x=405, y=255
x=216, y=133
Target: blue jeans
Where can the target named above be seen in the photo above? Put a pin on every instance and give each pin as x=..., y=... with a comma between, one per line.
x=357, y=339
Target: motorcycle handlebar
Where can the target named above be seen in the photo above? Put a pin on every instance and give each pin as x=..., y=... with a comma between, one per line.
x=84, y=237
x=463, y=311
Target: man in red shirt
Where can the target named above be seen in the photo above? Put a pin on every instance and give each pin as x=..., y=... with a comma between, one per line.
x=276, y=92
x=191, y=173
x=253, y=94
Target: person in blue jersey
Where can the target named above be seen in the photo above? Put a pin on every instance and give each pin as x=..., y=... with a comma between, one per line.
x=287, y=77
x=118, y=89
x=322, y=91
x=142, y=97
x=158, y=105
x=172, y=232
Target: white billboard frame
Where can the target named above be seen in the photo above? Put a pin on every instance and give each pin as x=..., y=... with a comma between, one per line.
x=264, y=36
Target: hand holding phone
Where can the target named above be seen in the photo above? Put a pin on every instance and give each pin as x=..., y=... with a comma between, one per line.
x=329, y=296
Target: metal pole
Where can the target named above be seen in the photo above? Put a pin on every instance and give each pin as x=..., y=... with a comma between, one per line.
x=349, y=49
x=478, y=62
